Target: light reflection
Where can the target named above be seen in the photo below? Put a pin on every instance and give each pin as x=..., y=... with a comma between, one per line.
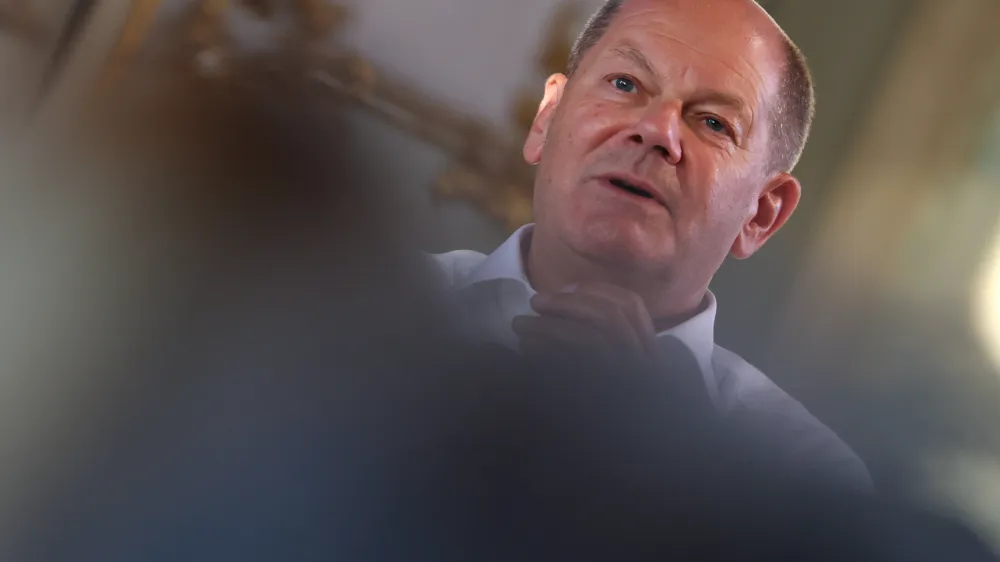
x=986, y=291
x=986, y=301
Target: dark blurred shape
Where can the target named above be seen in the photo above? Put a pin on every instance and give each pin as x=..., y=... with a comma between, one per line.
x=75, y=21
x=306, y=398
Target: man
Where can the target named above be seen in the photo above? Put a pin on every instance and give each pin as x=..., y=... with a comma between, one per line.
x=666, y=146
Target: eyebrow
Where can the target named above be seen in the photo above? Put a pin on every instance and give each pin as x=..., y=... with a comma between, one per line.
x=635, y=55
x=722, y=98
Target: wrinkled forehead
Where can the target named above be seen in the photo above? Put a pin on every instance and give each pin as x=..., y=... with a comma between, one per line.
x=720, y=37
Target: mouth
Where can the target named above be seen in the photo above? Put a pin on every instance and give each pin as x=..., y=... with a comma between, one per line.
x=633, y=187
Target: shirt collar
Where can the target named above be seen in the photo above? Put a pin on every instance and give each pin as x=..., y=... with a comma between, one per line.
x=507, y=262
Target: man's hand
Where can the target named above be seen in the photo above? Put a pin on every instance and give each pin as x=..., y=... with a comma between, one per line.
x=594, y=317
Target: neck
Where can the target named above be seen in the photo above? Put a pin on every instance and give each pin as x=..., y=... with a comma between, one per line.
x=551, y=267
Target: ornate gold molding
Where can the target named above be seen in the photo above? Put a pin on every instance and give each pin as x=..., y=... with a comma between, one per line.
x=486, y=169
x=137, y=24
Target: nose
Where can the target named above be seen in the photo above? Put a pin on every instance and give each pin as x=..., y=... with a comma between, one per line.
x=659, y=130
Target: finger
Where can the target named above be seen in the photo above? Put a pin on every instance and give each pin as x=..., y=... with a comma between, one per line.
x=594, y=310
x=628, y=303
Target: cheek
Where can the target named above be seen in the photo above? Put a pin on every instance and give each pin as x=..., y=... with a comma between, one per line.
x=700, y=175
x=587, y=126
x=729, y=205
x=575, y=142
x=716, y=190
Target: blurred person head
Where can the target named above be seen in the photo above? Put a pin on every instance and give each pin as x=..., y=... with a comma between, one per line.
x=230, y=244
x=667, y=145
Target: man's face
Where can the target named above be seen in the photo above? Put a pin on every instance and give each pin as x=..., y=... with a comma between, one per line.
x=654, y=155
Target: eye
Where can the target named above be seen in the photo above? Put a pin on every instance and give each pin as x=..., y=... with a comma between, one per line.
x=716, y=125
x=624, y=84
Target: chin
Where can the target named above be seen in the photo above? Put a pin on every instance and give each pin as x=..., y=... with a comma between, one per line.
x=626, y=244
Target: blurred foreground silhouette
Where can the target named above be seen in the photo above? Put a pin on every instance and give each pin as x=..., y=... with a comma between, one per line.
x=280, y=380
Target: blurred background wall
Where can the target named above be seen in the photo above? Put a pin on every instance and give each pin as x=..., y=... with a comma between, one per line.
x=878, y=305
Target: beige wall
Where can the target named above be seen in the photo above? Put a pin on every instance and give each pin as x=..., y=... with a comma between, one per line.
x=884, y=327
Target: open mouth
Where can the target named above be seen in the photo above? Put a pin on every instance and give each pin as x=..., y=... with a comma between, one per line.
x=633, y=189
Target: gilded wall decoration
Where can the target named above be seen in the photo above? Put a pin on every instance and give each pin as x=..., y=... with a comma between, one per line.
x=486, y=169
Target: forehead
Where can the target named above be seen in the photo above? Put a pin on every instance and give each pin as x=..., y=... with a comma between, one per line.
x=725, y=42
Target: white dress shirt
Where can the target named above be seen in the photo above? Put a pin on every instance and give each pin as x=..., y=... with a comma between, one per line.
x=492, y=290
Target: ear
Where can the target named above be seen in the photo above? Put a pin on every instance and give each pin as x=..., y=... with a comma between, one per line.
x=774, y=206
x=533, y=145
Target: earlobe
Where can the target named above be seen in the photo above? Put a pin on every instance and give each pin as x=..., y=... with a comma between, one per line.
x=535, y=142
x=771, y=211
